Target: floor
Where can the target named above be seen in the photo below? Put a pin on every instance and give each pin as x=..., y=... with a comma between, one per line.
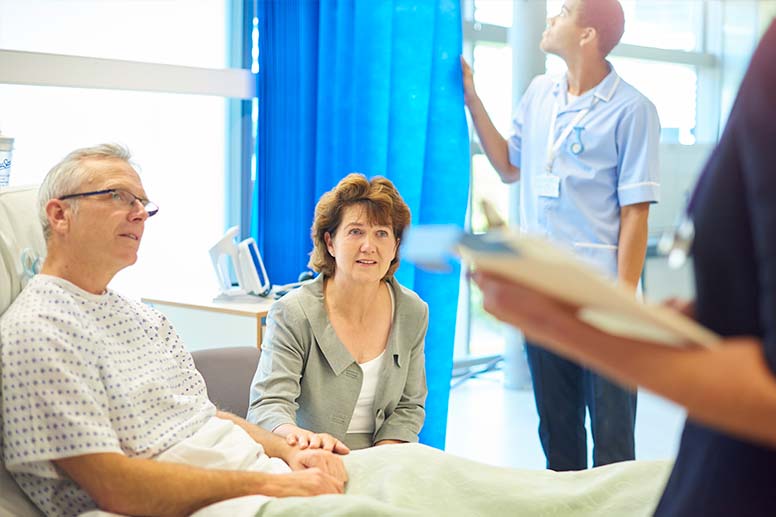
x=498, y=426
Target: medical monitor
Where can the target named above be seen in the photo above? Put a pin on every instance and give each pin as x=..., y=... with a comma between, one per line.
x=244, y=260
x=252, y=275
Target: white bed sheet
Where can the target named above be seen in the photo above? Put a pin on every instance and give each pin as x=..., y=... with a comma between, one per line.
x=415, y=480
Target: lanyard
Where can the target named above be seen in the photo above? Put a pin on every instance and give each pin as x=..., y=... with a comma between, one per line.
x=554, y=146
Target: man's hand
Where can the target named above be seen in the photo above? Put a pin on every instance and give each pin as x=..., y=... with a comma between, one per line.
x=304, y=439
x=149, y=487
x=469, y=93
x=317, y=459
x=308, y=482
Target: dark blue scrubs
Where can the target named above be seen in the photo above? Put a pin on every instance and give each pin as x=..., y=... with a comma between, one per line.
x=734, y=210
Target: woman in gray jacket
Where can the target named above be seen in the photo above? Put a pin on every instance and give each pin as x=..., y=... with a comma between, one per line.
x=342, y=363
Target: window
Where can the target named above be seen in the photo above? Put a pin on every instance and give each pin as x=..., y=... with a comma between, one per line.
x=490, y=56
x=674, y=25
x=495, y=89
x=493, y=12
x=176, y=32
x=676, y=100
x=179, y=139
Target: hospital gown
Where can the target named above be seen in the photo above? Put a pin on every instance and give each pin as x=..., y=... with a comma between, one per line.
x=83, y=374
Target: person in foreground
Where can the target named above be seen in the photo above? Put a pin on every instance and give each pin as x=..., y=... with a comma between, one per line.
x=342, y=362
x=101, y=404
x=726, y=464
x=584, y=148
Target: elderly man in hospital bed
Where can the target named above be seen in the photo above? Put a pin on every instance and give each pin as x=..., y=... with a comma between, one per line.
x=102, y=406
x=104, y=411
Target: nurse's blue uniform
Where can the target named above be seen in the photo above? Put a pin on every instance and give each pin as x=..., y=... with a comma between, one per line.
x=580, y=162
x=734, y=211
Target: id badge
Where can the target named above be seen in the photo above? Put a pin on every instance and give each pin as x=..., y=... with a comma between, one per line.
x=548, y=185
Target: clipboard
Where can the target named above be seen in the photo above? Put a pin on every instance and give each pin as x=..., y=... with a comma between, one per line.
x=550, y=269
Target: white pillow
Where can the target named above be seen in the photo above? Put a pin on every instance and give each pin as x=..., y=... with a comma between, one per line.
x=20, y=234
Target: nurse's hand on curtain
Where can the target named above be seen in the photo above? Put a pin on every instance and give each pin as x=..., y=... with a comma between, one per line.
x=494, y=145
x=469, y=93
x=304, y=439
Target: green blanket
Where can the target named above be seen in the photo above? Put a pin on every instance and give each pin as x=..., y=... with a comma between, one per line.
x=414, y=480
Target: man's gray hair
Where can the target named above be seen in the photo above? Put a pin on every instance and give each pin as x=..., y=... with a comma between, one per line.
x=67, y=176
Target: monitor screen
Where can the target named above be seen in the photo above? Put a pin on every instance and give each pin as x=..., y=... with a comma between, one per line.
x=252, y=269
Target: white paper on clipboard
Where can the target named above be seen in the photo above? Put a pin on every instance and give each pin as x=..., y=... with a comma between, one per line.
x=548, y=268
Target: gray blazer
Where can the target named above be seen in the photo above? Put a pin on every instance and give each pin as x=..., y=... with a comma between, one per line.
x=306, y=376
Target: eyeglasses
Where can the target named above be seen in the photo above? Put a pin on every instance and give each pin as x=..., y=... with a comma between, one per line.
x=121, y=195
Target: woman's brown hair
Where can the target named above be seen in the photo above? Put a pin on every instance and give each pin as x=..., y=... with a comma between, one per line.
x=382, y=202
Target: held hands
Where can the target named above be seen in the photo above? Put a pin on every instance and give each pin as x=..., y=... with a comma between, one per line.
x=317, y=471
x=318, y=460
x=308, y=482
x=304, y=439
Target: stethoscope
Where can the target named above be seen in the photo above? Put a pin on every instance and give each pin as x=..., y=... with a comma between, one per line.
x=576, y=148
x=553, y=146
x=676, y=244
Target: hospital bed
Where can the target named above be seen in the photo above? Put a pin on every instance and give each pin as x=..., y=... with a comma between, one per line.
x=393, y=480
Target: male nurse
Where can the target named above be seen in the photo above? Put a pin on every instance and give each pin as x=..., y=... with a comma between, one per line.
x=584, y=148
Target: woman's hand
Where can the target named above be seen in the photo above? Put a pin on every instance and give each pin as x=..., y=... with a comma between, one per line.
x=389, y=442
x=304, y=439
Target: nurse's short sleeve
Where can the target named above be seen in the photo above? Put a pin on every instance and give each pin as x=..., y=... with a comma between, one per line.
x=53, y=399
x=638, y=139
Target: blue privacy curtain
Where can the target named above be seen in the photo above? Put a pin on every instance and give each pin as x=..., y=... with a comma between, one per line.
x=372, y=86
